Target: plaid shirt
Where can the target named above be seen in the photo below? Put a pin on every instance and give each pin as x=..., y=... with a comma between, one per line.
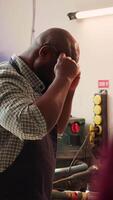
x=20, y=119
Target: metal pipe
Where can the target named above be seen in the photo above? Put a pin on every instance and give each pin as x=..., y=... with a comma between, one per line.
x=67, y=171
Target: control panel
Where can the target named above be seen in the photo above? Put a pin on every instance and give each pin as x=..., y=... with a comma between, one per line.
x=99, y=128
x=74, y=134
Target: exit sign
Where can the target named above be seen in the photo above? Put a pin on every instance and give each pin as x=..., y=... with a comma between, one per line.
x=103, y=83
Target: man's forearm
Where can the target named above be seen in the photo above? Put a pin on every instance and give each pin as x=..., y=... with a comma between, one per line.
x=66, y=112
x=52, y=102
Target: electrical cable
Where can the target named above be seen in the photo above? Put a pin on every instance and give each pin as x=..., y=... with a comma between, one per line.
x=76, y=155
x=33, y=19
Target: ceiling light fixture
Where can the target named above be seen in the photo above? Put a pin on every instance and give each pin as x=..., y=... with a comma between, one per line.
x=90, y=13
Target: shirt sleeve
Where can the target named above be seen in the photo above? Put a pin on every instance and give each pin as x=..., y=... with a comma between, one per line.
x=18, y=114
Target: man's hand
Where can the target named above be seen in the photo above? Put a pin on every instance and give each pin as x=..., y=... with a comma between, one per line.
x=66, y=67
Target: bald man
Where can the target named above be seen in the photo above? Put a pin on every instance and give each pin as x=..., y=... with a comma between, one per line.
x=36, y=92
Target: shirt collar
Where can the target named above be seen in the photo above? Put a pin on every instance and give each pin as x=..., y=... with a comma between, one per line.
x=28, y=74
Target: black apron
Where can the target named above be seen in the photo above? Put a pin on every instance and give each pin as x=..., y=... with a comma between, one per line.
x=30, y=176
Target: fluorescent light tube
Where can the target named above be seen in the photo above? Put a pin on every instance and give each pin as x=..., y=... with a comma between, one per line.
x=93, y=13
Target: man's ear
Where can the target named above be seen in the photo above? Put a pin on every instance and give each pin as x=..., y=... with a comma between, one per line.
x=45, y=52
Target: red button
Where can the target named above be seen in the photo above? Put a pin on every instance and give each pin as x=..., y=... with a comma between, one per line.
x=75, y=128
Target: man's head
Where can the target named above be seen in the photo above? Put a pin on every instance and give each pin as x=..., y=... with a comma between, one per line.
x=45, y=50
